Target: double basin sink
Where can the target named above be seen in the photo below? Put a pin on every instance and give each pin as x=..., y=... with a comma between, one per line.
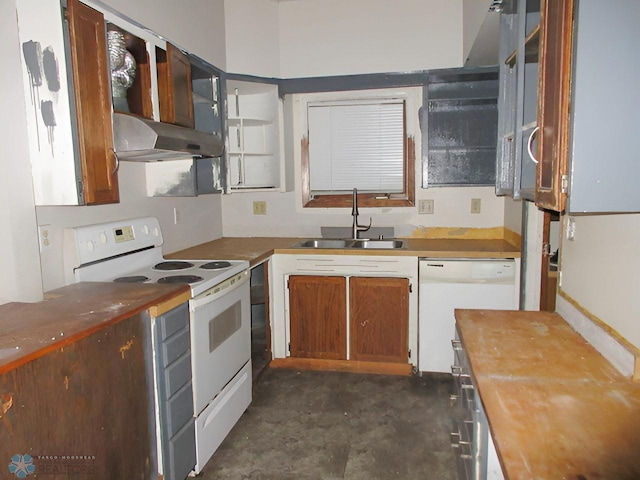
x=350, y=243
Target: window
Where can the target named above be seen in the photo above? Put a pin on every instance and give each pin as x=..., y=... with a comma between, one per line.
x=357, y=140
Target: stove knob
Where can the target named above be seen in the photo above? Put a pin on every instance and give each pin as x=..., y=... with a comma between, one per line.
x=156, y=232
x=103, y=238
x=145, y=229
x=91, y=246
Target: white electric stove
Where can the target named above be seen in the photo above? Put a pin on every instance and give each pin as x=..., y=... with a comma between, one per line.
x=130, y=251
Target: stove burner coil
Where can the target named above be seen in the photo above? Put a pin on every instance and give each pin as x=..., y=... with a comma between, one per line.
x=132, y=279
x=181, y=279
x=172, y=265
x=215, y=265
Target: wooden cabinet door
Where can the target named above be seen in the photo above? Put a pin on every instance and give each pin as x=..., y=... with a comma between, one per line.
x=379, y=319
x=554, y=95
x=92, y=93
x=174, y=86
x=318, y=317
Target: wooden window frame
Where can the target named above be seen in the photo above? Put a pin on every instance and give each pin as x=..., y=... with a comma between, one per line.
x=406, y=198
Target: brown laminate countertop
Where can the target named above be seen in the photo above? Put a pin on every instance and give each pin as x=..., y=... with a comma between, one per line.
x=257, y=249
x=31, y=330
x=557, y=409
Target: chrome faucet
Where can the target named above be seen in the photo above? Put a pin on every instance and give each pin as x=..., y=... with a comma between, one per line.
x=354, y=213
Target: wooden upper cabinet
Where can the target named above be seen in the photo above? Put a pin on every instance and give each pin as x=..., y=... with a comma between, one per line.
x=379, y=318
x=554, y=95
x=174, y=87
x=92, y=92
x=318, y=317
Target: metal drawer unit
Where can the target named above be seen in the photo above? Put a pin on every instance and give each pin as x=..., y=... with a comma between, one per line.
x=476, y=458
x=175, y=393
x=463, y=401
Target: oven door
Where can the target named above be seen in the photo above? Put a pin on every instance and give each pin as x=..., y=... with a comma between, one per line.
x=220, y=337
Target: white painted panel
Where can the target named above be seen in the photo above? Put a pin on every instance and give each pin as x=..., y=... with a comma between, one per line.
x=21, y=280
x=47, y=101
x=601, y=270
x=337, y=37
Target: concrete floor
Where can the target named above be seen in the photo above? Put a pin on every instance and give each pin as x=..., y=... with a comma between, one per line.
x=305, y=425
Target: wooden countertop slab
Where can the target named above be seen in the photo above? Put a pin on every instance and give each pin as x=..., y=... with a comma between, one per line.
x=530, y=344
x=547, y=429
x=257, y=249
x=555, y=406
x=31, y=330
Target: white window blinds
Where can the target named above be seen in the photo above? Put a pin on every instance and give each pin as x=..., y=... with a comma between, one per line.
x=356, y=145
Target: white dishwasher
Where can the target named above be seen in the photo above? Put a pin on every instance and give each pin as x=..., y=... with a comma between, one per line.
x=447, y=284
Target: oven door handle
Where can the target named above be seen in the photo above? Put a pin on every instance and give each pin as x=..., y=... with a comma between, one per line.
x=219, y=290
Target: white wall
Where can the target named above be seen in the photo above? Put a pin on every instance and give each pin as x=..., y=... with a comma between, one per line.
x=201, y=30
x=601, y=270
x=356, y=37
x=200, y=219
x=473, y=16
x=340, y=37
x=197, y=25
x=20, y=260
x=252, y=37
x=285, y=217
x=513, y=214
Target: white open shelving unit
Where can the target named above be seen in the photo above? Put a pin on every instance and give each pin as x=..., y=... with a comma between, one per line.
x=253, y=143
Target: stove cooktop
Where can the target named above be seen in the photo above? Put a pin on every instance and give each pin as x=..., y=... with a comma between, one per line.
x=199, y=274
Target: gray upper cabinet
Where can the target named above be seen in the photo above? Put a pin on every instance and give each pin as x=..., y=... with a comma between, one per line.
x=459, y=123
x=604, y=141
x=518, y=99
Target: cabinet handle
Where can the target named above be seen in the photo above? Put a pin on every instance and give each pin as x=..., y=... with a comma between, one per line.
x=530, y=143
x=116, y=161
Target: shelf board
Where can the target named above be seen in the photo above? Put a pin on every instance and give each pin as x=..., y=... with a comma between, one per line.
x=531, y=48
x=252, y=154
x=247, y=122
x=252, y=187
x=465, y=100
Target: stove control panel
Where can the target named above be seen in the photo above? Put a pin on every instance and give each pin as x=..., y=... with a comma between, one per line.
x=93, y=243
x=125, y=234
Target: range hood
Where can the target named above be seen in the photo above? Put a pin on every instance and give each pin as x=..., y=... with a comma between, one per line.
x=140, y=139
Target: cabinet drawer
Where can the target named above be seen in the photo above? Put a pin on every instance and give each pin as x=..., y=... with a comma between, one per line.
x=175, y=346
x=179, y=410
x=173, y=321
x=182, y=452
x=177, y=374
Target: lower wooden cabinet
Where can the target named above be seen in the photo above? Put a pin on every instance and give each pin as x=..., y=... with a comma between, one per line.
x=377, y=318
x=81, y=411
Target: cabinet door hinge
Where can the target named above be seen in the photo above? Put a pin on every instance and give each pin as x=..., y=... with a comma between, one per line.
x=564, y=184
x=287, y=284
x=289, y=347
x=410, y=288
x=409, y=353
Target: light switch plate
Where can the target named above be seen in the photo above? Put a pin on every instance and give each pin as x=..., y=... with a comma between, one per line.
x=259, y=207
x=425, y=206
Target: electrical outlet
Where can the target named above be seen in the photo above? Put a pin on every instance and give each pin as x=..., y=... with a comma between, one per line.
x=260, y=207
x=44, y=237
x=425, y=206
x=476, y=205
